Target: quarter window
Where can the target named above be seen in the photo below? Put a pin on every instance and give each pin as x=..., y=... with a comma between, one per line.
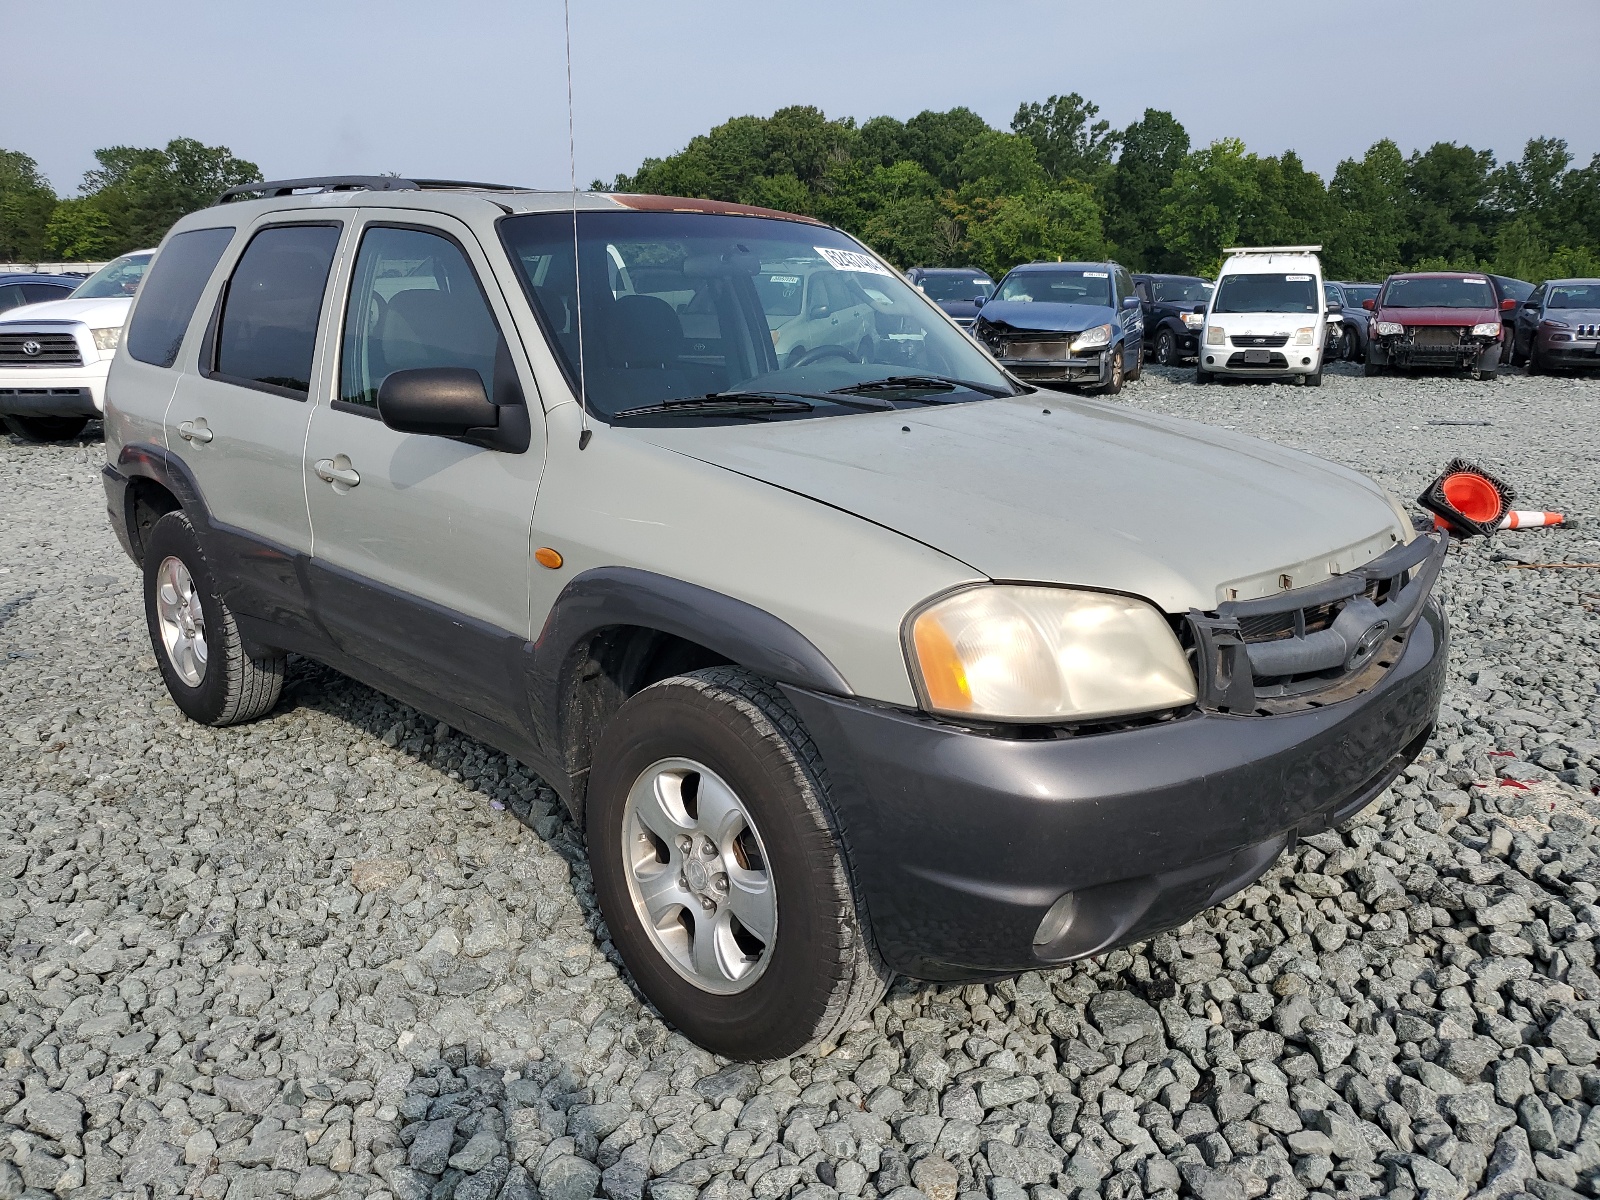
x=267, y=336
x=11, y=296
x=415, y=302
x=171, y=291
x=41, y=293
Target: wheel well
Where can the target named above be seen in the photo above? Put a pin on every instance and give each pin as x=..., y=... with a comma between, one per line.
x=147, y=502
x=602, y=672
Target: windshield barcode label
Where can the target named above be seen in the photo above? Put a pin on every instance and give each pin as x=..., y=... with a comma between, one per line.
x=851, y=260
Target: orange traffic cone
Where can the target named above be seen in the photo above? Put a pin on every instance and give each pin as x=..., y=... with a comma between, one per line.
x=1467, y=499
x=1518, y=519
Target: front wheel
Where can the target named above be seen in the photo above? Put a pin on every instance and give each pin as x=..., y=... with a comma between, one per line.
x=1115, y=379
x=1313, y=379
x=719, y=870
x=209, y=672
x=1166, y=348
x=1535, y=362
x=46, y=429
x=1201, y=375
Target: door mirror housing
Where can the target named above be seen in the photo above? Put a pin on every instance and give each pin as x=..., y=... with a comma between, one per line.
x=1508, y=305
x=450, y=402
x=1130, y=302
x=1370, y=305
x=1335, y=307
x=817, y=312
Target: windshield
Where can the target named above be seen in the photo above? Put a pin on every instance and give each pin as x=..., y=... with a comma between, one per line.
x=1267, y=293
x=1182, y=291
x=684, y=305
x=963, y=286
x=1574, y=295
x=1059, y=287
x=119, y=277
x=1433, y=291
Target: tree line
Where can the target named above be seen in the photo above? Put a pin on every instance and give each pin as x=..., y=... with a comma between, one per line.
x=127, y=201
x=947, y=189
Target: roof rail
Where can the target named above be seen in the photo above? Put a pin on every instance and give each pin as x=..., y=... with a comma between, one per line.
x=1272, y=249
x=355, y=183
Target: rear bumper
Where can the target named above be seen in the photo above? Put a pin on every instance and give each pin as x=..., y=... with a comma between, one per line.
x=54, y=392
x=962, y=842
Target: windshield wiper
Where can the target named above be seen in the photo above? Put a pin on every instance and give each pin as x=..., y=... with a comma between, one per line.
x=935, y=383
x=728, y=403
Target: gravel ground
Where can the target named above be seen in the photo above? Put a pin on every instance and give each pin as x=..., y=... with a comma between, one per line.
x=347, y=952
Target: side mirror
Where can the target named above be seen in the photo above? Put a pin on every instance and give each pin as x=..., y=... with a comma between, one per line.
x=980, y=300
x=818, y=311
x=1334, y=308
x=1370, y=305
x=450, y=402
x=1130, y=302
x=1508, y=305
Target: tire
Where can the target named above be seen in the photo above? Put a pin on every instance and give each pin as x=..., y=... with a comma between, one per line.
x=1166, y=348
x=820, y=972
x=1113, y=385
x=213, y=679
x=1314, y=379
x=1535, y=363
x=1371, y=369
x=1138, y=365
x=1201, y=375
x=46, y=429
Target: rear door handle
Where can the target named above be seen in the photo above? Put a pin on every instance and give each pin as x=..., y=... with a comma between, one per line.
x=195, y=431
x=337, y=471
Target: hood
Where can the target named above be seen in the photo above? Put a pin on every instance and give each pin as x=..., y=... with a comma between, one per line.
x=1044, y=316
x=1439, y=316
x=1093, y=494
x=97, y=314
x=958, y=308
x=1572, y=316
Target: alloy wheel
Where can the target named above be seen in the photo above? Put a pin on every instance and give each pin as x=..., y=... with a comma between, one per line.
x=697, y=874
x=182, y=621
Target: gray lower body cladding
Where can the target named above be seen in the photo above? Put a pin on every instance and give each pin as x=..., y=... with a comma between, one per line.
x=962, y=842
x=47, y=402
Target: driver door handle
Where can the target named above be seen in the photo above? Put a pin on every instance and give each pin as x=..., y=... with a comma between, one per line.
x=195, y=431
x=338, y=471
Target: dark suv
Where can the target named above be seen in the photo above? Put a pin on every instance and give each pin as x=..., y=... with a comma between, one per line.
x=960, y=291
x=1174, y=312
x=1066, y=324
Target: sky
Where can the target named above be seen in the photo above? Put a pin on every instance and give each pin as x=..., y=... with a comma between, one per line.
x=476, y=89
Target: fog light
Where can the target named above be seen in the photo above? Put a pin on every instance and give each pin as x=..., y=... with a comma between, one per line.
x=1305, y=362
x=1210, y=360
x=1057, y=920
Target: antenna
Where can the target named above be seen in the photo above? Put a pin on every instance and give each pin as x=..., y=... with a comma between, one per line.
x=585, y=433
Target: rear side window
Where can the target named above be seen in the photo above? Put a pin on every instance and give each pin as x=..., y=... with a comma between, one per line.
x=267, y=335
x=39, y=293
x=11, y=296
x=414, y=303
x=171, y=290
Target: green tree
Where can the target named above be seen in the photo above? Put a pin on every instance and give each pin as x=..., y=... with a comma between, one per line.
x=1450, y=219
x=1071, y=144
x=26, y=201
x=1212, y=198
x=1042, y=225
x=998, y=164
x=79, y=231
x=143, y=191
x=1152, y=149
x=935, y=140
x=1368, y=220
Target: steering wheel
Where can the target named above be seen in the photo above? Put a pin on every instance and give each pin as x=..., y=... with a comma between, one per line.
x=818, y=353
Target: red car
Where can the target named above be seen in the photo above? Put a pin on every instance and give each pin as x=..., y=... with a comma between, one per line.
x=1435, y=319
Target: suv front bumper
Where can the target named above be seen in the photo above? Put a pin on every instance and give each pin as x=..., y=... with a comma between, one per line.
x=961, y=842
x=54, y=391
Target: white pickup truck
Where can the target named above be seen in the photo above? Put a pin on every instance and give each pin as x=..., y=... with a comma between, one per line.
x=54, y=356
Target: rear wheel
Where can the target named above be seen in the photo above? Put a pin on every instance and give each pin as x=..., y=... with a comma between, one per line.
x=719, y=869
x=208, y=671
x=1166, y=348
x=46, y=429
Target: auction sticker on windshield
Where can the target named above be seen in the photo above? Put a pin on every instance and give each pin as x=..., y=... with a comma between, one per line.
x=851, y=260
x=1298, y=278
x=1097, y=275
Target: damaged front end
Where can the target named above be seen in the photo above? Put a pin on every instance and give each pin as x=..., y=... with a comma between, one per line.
x=1044, y=356
x=1447, y=347
x=1314, y=646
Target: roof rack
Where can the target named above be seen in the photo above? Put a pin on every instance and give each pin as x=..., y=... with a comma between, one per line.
x=1272, y=249
x=356, y=183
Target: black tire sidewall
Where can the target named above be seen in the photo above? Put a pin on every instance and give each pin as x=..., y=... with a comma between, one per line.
x=174, y=537
x=777, y=1014
x=46, y=429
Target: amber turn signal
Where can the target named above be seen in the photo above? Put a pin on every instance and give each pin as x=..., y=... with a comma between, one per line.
x=547, y=557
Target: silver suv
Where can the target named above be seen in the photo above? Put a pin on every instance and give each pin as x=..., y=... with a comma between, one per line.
x=858, y=660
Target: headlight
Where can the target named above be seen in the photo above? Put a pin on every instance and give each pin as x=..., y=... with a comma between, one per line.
x=1194, y=320
x=1486, y=329
x=107, y=339
x=1010, y=652
x=1302, y=337
x=1549, y=324
x=1215, y=336
x=1091, y=339
x=1390, y=329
